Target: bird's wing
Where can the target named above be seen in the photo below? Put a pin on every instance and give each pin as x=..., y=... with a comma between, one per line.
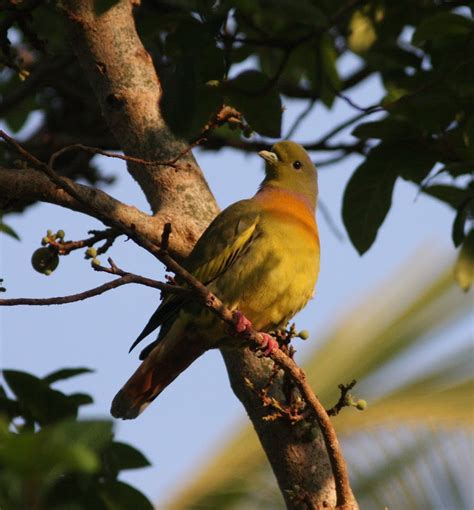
x=217, y=249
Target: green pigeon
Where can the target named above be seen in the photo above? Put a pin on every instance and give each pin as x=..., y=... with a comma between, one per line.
x=260, y=256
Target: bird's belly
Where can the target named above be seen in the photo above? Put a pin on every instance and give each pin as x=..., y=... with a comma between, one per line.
x=272, y=281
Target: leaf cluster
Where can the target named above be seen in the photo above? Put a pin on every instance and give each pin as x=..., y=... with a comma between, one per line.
x=49, y=459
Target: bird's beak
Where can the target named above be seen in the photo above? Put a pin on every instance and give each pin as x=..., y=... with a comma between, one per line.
x=269, y=157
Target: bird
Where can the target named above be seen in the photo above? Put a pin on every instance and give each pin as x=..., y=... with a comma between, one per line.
x=260, y=256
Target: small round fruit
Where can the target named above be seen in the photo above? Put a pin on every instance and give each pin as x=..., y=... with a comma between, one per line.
x=304, y=335
x=45, y=260
x=91, y=252
x=60, y=234
x=361, y=405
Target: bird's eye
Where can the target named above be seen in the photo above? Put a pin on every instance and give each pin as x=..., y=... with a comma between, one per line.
x=297, y=165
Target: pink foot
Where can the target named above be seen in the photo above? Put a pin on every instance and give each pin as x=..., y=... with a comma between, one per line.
x=241, y=322
x=269, y=344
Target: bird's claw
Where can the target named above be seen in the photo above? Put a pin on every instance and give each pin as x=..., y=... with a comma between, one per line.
x=269, y=344
x=241, y=323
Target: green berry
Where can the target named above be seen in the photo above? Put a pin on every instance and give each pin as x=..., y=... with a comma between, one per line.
x=45, y=260
x=60, y=234
x=49, y=233
x=304, y=335
x=44, y=241
x=361, y=405
x=95, y=262
x=91, y=252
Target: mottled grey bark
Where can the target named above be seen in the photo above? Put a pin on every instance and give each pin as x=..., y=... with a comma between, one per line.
x=127, y=88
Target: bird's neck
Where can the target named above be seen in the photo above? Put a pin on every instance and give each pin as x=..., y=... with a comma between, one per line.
x=269, y=193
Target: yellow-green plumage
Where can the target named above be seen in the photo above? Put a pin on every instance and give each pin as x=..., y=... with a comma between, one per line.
x=260, y=256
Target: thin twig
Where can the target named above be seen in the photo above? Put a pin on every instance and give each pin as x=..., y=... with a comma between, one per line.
x=124, y=279
x=306, y=111
x=343, y=126
x=330, y=220
x=132, y=159
x=330, y=161
x=343, y=398
x=66, y=247
x=363, y=109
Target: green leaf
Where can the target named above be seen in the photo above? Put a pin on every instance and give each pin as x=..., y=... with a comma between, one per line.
x=250, y=93
x=8, y=408
x=94, y=434
x=187, y=102
x=389, y=58
x=442, y=26
x=302, y=12
x=37, y=400
x=73, y=492
x=17, y=117
x=451, y=195
x=368, y=194
x=80, y=399
x=464, y=268
x=329, y=81
x=468, y=133
x=65, y=373
x=8, y=231
x=367, y=200
x=121, y=496
x=465, y=211
x=390, y=129
x=431, y=109
x=120, y=456
x=67, y=446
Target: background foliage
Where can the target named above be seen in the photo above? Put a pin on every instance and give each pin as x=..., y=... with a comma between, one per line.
x=50, y=459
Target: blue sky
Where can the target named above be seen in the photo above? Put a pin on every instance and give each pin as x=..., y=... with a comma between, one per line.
x=193, y=417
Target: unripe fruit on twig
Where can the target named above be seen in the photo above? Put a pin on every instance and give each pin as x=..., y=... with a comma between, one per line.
x=91, y=252
x=45, y=260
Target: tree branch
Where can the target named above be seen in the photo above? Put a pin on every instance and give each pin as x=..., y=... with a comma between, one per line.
x=81, y=296
x=124, y=279
x=18, y=186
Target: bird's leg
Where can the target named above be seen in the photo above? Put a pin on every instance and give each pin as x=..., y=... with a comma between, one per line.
x=241, y=323
x=269, y=344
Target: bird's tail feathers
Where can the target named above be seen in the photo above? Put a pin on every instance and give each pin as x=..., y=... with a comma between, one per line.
x=170, y=357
